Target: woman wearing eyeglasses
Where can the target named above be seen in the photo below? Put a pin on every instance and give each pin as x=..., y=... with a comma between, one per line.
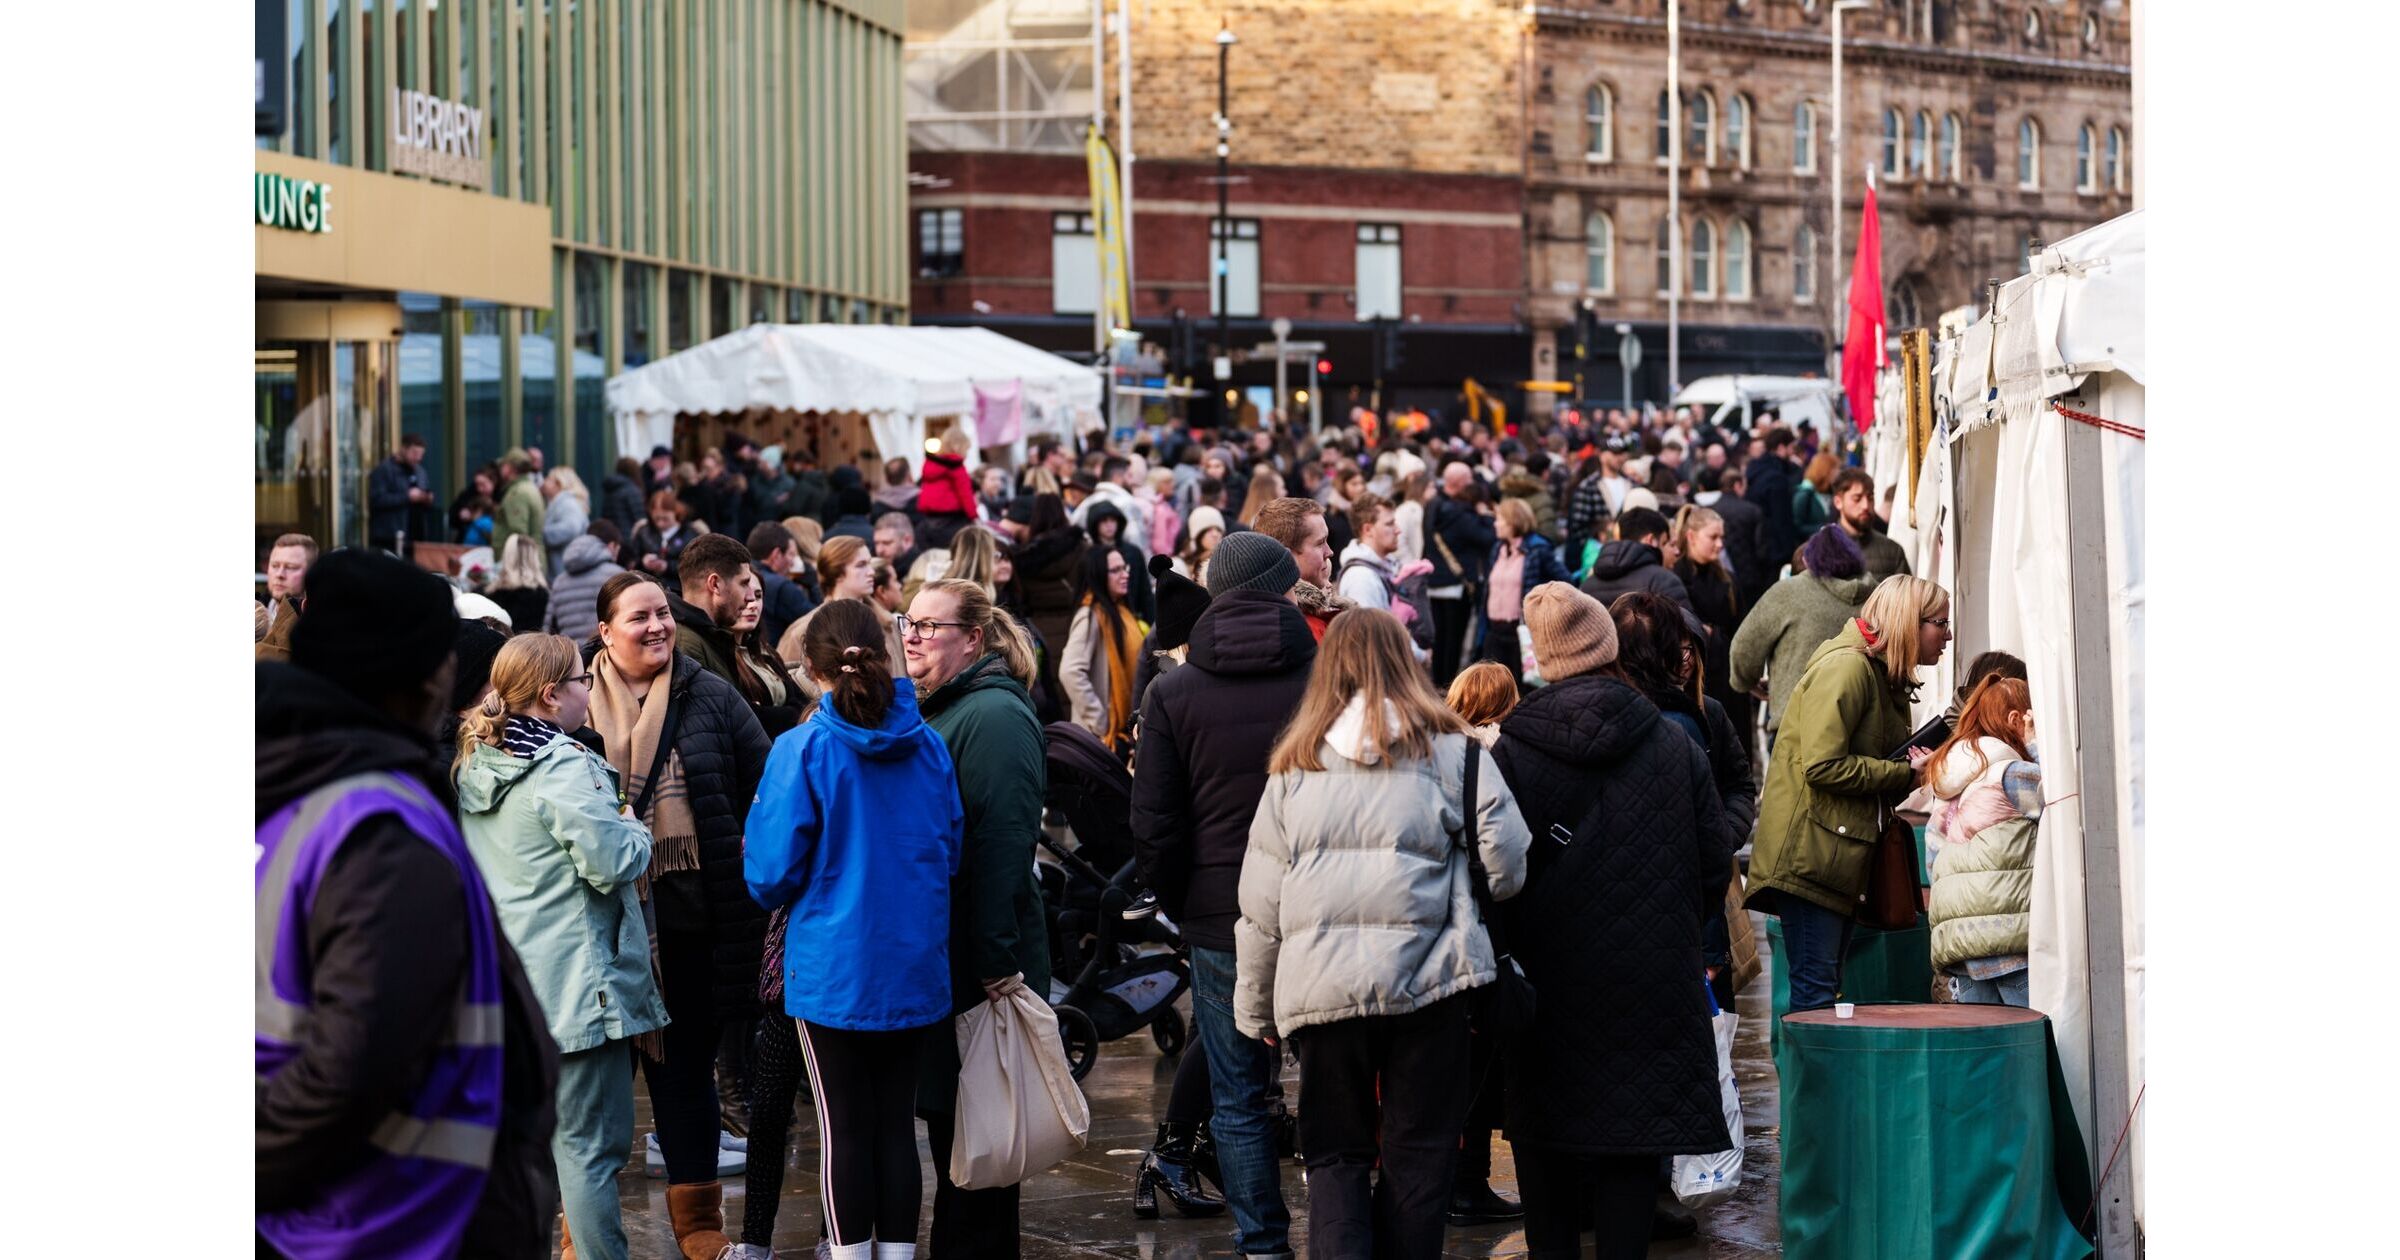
x=1832, y=778
x=1104, y=644
x=561, y=855
x=972, y=664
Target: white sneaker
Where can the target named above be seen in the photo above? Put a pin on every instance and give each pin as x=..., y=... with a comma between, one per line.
x=746, y=1251
x=726, y=1141
x=730, y=1162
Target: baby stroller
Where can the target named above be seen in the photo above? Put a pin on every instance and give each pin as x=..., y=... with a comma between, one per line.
x=1118, y=987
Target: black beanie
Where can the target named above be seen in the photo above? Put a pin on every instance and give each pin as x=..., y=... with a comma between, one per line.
x=476, y=645
x=373, y=623
x=1180, y=603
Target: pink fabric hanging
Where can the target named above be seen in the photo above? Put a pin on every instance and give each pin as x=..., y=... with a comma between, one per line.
x=999, y=413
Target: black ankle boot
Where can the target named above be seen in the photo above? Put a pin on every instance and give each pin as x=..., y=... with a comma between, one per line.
x=1476, y=1203
x=1169, y=1167
x=1204, y=1155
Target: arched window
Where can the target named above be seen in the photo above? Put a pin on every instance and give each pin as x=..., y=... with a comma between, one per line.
x=1704, y=260
x=1701, y=143
x=1920, y=146
x=1891, y=144
x=1804, y=138
x=1663, y=134
x=1666, y=257
x=2033, y=25
x=1737, y=130
x=1949, y=152
x=1737, y=262
x=2116, y=159
x=1599, y=254
x=1597, y=114
x=2029, y=154
x=2087, y=176
x=1804, y=265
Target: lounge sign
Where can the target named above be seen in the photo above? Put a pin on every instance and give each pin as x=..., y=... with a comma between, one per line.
x=438, y=139
x=295, y=205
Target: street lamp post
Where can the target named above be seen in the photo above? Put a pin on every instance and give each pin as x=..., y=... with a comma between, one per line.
x=1839, y=296
x=1674, y=195
x=1224, y=225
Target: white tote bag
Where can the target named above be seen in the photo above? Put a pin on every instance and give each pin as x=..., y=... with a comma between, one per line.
x=1705, y=1180
x=1019, y=1110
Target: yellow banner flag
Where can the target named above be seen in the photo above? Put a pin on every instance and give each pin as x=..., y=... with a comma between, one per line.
x=1108, y=229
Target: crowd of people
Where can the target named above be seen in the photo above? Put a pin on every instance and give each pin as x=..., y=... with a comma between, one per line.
x=1442, y=747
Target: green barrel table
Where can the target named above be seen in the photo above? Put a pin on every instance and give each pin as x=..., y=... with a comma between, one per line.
x=1880, y=967
x=1928, y=1132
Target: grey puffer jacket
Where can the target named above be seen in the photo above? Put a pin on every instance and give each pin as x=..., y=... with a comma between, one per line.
x=574, y=609
x=1355, y=899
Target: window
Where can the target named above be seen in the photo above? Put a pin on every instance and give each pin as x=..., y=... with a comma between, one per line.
x=1663, y=134
x=1704, y=271
x=1737, y=130
x=2087, y=178
x=1074, y=265
x=1804, y=138
x=1379, y=271
x=1240, y=259
x=2091, y=31
x=1702, y=140
x=941, y=245
x=1666, y=257
x=1949, y=152
x=2029, y=154
x=1598, y=112
x=1891, y=144
x=2033, y=26
x=1920, y=146
x=1737, y=262
x=1599, y=254
x=1804, y=265
x=2116, y=159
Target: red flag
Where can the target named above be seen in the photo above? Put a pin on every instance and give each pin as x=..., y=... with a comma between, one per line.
x=1862, y=345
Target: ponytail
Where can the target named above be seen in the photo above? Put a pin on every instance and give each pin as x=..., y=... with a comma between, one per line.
x=482, y=726
x=845, y=646
x=525, y=665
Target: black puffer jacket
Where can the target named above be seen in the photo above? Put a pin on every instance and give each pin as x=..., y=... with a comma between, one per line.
x=724, y=752
x=1624, y=565
x=1201, y=764
x=1621, y=1059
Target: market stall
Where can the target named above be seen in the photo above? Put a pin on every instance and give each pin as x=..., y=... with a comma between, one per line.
x=839, y=388
x=2028, y=507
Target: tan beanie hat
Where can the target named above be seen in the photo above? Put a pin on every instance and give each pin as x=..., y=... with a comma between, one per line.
x=1572, y=633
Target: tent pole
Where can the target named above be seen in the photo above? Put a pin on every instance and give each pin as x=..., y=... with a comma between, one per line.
x=2103, y=896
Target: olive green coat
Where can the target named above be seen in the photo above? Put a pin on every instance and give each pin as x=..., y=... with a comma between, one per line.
x=1829, y=780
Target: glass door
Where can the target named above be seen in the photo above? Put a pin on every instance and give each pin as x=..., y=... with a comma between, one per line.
x=324, y=413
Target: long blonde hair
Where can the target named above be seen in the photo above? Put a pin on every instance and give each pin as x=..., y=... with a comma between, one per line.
x=1690, y=519
x=521, y=565
x=1365, y=655
x=1895, y=610
x=808, y=537
x=526, y=664
x=570, y=483
x=1266, y=486
x=1001, y=631
x=973, y=556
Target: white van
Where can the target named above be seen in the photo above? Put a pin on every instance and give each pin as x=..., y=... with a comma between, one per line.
x=1732, y=402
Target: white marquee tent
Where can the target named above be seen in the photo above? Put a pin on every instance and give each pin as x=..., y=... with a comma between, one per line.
x=897, y=377
x=2029, y=509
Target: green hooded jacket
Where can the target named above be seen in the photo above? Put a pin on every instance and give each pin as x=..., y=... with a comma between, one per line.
x=520, y=512
x=1830, y=779
x=997, y=924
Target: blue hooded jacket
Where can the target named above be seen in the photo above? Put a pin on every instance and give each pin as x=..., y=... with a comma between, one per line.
x=859, y=832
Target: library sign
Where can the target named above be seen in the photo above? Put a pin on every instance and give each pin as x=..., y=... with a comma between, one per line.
x=438, y=139
x=294, y=205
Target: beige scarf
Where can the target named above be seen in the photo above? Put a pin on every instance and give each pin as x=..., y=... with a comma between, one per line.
x=633, y=729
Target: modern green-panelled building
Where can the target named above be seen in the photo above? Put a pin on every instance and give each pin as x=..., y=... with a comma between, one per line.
x=476, y=211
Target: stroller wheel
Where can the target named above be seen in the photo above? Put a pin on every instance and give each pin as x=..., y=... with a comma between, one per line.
x=1080, y=1038
x=1169, y=1032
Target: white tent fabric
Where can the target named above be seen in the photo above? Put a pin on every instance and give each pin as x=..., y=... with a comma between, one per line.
x=1992, y=528
x=897, y=377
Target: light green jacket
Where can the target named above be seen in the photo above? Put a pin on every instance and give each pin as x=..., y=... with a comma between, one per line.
x=561, y=864
x=520, y=512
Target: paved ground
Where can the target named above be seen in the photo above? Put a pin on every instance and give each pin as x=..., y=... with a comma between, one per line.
x=1083, y=1208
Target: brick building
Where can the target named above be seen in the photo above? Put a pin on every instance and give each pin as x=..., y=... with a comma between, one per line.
x=1988, y=125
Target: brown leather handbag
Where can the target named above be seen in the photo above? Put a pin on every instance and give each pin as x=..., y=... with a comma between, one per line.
x=1891, y=901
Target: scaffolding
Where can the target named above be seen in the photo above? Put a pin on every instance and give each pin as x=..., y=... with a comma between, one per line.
x=1012, y=76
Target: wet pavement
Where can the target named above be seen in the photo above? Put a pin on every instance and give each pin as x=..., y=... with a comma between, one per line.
x=1083, y=1208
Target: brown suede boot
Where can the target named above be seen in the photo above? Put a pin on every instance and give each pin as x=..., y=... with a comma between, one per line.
x=698, y=1214
x=566, y=1242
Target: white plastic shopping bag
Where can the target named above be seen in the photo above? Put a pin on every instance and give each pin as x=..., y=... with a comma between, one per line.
x=1019, y=1109
x=1705, y=1180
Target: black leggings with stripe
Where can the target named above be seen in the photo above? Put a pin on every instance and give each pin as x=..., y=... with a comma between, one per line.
x=865, y=1087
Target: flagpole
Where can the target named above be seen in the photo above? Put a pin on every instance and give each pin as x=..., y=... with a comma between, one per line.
x=1674, y=198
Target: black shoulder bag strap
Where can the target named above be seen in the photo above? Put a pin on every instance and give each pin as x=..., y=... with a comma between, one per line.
x=1479, y=880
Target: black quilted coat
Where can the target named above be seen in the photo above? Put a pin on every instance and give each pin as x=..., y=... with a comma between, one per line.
x=724, y=752
x=1620, y=1060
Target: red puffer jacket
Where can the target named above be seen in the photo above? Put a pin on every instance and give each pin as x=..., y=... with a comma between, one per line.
x=944, y=489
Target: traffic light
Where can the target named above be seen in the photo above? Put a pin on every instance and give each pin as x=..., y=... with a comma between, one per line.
x=1324, y=367
x=1394, y=353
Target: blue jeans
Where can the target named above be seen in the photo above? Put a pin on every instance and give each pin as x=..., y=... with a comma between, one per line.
x=1241, y=1072
x=2013, y=989
x=595, y=1130
x=1813, y=940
